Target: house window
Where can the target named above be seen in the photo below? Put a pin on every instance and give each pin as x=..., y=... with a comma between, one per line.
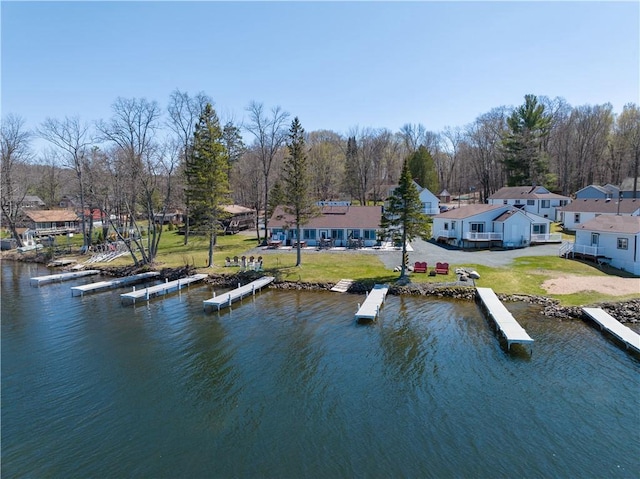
x=576, y=218
x=539, y=229
x=446, y=226
x=504, y=202
x=518, y=202
x=595, y=239
x=353, y=234
x=623, y=243
x=369, y=234
x=453, y=225
x=337, y=234
x=309, y=234
x=531, y=202
x=477, y=227
x=545, y=204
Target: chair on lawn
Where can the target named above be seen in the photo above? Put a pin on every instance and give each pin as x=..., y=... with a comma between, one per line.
x=442, y=268
x=420, y=267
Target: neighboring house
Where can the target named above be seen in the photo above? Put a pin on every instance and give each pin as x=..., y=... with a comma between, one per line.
x=627, y=189
x=444, y=196
x=31, y=201
x=430, y=202
x=479, y=226
x=598, y=192
x=51, y=222
x=533, y=199
x=241, y=218
x=612, y=239
x=583, y=210
x=339, y=224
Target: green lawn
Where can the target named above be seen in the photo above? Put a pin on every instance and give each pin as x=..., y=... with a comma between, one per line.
x=524, y=276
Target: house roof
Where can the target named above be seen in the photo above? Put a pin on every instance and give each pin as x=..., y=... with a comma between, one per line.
x=591, y=205
x=237, y=209
x=510, y=214
x=606, y=189
x=44, y=216
x=467, y=211
x=444, y=193
x=337, y=217
x=525, y=193
x=612, y=224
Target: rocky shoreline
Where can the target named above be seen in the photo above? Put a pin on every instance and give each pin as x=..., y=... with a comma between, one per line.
x=623, y=311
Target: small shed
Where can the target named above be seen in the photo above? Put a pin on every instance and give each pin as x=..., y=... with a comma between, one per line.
x=445, y=196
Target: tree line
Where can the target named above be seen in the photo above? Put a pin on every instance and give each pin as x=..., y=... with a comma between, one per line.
x=146, y=160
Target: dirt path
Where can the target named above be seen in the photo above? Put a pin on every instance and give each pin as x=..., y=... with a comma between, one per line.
x=607, y=285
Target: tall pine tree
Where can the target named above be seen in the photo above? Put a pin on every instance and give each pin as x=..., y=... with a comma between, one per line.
x=207, y=176
x=525, y=160
x=297, y=182
x=403, y=219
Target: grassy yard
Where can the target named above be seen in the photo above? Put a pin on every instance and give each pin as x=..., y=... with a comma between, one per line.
x=524, y=276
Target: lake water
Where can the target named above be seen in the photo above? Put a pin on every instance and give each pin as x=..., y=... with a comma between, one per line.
x=286, y=385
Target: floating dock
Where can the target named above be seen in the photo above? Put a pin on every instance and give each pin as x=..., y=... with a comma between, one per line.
x=116, y=283
x=505, y=322
x=164, y=288
x=38, y=280
x=225, y=300
x=629, y=338
x=371, y=306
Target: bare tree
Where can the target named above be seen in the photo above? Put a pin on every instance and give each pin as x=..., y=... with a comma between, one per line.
x=132, y=129
x=247, y=182
x=326, y=163
x=14, y=185
x=269, y=130
x=72, y=138
x=627, y=131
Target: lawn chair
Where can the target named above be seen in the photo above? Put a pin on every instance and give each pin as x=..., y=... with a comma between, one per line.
x=227, y=261
x=442, y=268
x=420, y=267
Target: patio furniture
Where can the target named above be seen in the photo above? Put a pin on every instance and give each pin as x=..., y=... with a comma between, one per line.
x=420, y=267
x=442, y=268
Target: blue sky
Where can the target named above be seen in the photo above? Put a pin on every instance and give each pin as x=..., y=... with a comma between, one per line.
x=335, y=65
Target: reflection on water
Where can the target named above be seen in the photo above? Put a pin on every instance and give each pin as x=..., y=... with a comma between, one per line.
x=287, y=385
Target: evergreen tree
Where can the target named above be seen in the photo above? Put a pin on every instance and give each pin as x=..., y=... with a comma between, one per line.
x=276, y=197
x=207, y=175
x=525, y=160
x=297, y=181
x=404, y=219
x=423, y=169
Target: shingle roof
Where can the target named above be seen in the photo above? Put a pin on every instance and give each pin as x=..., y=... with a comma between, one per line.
x=467, y=211
x=590, y=205
x=613, y=224
x=340, y=217
x=509, y=214
x=44, y=216
x=525, y=193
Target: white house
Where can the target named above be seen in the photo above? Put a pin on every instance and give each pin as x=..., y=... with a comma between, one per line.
x=339, y=224
x=598, y=192
x=580, y=211
x=534, y=199
x=476, y=226
x=430, y=202
x=614, y=239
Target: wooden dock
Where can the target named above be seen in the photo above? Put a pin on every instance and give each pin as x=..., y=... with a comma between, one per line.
x=225, y=300
x=505, y=322
x=52, y=278
x=629, y=338
x=116, y=283
x=164, y=288
x=371, y=306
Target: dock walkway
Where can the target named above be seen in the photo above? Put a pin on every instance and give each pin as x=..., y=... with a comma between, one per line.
x=371, y=306
x=116, y=283
x=51, y=278
x=342, y=286
x=163, y=288
x=506, y=323
x=225, y=300
x=630, y=338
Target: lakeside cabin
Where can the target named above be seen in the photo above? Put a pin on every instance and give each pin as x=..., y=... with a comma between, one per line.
x=339, y=224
